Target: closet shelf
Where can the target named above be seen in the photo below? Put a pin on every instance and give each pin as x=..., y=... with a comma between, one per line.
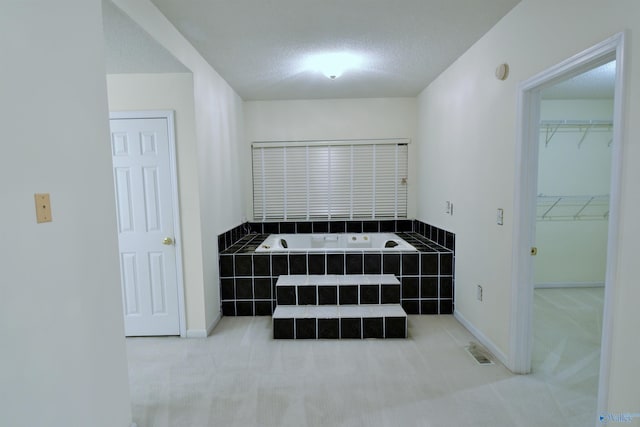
x=585, y=127
x=572, y=208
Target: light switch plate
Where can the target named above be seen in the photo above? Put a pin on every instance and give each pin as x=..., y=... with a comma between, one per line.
x=500, y=216
x=43, y=207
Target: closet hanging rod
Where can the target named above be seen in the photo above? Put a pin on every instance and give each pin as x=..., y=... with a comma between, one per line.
x=575, y=208
x=551, y=127
x=574, y=123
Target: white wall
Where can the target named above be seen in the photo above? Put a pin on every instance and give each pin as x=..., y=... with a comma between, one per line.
x=173, y=91
x=468, y=130
x=333, y=119
x=61, y=325
x=222, y=157
x=573, y=252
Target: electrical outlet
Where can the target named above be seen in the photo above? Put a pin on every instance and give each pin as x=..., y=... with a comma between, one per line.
x=500, y=216
x=479, y=293
x=449, y=208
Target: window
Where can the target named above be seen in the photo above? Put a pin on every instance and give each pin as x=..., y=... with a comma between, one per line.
x=310, y=180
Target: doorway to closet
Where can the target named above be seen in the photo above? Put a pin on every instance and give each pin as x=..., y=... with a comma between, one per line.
x=571, y=234
x=526, y=204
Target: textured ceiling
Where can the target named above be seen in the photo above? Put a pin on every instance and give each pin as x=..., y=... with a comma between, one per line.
x=598, y=83
x=129, y=49
x=258, y=46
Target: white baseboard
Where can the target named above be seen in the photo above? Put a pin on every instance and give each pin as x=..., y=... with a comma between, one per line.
x=554, y=285
x=486, y=342
x=204, y=333
x=213, y=324
x=196, y=333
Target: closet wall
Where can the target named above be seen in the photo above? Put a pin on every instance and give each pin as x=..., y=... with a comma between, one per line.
x=573, y=187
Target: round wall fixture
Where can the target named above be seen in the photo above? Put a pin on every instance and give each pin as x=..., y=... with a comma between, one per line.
x=502, y=72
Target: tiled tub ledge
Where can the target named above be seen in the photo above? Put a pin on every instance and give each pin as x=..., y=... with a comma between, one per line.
x=248, y=279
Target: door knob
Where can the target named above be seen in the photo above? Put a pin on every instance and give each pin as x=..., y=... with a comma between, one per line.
x=167, y=241
x=534, y=251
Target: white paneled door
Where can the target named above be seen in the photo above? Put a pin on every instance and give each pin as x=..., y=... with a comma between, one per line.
x=144, y=197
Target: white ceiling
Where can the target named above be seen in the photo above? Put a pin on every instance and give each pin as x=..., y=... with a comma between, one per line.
x=258, y=46
x=598, y=83
x=129, y=49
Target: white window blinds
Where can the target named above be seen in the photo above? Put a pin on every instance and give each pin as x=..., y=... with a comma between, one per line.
x=329, y=180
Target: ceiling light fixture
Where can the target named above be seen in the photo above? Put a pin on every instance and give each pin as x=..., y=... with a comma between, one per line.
x=333, y=65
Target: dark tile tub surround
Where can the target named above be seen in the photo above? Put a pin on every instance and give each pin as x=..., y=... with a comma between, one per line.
x=442, y=237
x=306, y=227
x=247, y=279
x=227, y=239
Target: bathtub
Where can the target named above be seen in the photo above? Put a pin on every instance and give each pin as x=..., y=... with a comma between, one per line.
x=334, y=241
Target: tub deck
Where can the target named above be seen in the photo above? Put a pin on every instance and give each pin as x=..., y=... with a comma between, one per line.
x=322, y=242
x=248, y=278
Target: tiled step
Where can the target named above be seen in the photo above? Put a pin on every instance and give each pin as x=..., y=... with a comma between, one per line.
x=334, y=322
x=337, y=289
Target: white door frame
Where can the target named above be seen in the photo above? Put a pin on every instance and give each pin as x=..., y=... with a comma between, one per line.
x=168, y=115
x=521, y=316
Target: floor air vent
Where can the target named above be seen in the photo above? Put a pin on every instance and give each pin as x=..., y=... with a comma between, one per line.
x=480, y=355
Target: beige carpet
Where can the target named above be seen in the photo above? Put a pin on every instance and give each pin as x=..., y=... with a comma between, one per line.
x=239, y=376
x=566, y=353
